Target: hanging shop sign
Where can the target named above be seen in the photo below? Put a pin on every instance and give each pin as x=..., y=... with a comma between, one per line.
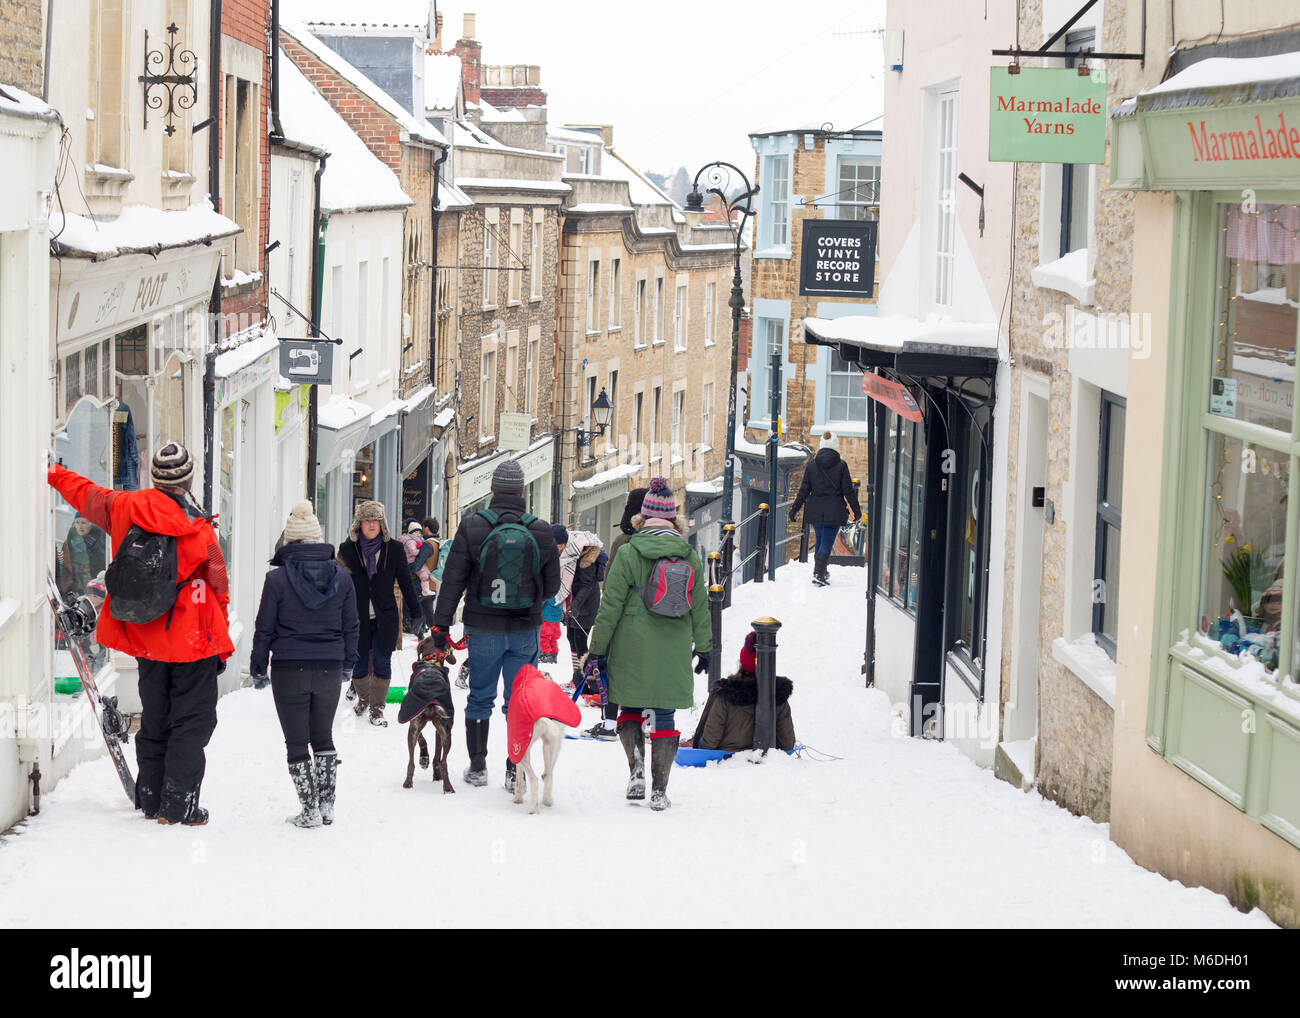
x=838, y=258
x=307, y=361
x=1047, y=115
x=515, y=431
x=893, y=394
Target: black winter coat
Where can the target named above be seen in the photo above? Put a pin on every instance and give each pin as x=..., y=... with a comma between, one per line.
x=826, y=485
x=308, y=613
x=584, y=597
x=390, y=569
x=460, y=575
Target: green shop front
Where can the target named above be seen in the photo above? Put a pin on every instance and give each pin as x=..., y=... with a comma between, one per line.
x=1223, y=704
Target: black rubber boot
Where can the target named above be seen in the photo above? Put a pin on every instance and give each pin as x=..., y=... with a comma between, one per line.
x=147, y=799
x=820, y=565
x=304, y=784
x=181, y=806
x=476, y=736
x=663, y=751
x=327, y=765
x=510, y=777
x=633, y=740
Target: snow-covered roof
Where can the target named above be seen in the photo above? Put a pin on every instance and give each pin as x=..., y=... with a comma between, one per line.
x=640, y=188
x=515, y=184
x=452, y=197
x=1227, y=79
x=139, y=229
x=390, y=409
x=340, y=411
x=15, y=101
x=442, y=74
x=417, y=128
x=256, y=347
x=597, y=207
x=404, y=14
x=445, y=416
x=466, y=133
x=783, y=452
x=606, y=476
x=569, y=135
x=355, y=179
x=900, y=332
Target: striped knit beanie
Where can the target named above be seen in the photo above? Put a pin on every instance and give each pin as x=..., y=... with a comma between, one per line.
x=172, y=466
x=659, y=503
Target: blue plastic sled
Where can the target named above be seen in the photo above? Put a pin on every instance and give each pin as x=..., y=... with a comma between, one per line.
x=689, y=756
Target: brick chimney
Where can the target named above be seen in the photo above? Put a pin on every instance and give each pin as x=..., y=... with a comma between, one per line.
x=437, y=31
x=470, y=51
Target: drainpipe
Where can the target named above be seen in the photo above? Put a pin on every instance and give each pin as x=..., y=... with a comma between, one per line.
x=276, y=130
x=214, y=305
x=317, y=299
x=433, y=295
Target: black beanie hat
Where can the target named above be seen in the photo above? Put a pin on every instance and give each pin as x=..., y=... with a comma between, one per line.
x=634, y=499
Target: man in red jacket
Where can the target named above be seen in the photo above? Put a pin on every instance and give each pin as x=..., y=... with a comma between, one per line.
x=180, y=653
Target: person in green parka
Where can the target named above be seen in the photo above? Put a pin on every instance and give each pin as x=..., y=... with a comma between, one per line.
x=647, y=653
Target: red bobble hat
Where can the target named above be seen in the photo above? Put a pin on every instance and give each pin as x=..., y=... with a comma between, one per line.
x=748, y=663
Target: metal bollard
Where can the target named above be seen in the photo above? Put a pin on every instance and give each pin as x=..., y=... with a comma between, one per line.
x=715, y=568
x=760, y=559
x=728, y=563
x=803, y=543
x=765, y=675
x=716, y=592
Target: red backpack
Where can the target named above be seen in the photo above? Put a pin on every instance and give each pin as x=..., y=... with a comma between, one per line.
x=668, y=591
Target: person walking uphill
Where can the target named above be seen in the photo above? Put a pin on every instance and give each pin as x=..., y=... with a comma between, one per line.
x=307, y=626
x=377, y=563
x=175, y=625
x=653, y=615
x=503, y=560
x=827, y=488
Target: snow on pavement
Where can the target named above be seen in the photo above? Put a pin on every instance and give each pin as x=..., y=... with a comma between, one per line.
x=899, y=832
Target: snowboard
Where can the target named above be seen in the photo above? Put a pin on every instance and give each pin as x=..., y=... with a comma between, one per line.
x=76, y=619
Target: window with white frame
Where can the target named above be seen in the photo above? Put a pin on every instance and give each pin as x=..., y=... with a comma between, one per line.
x=638, y=314
x=1076, y=178
x=769, y=335
x=530, y=380
x=679, y=412
x=487, y=392
x=654, y=422
x=241, y=169
x=515, y=262
x=360, y=374
x=535, y=269
x=634, y=432
x=845, y=400
x=489, y=266
x=706, y=427
x=858, y=188
x=1110, y=485
x=945, y=204
x=385, y=318
x=611, y=393
x=106, y=128
x=777, y=232
x=615, y=294
x=593, y=296
x=679, y=319
x=588, y=421
x=512, y=370
x=710, y=302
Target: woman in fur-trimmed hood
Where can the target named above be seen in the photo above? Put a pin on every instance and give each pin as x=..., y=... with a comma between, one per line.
x=727, y=721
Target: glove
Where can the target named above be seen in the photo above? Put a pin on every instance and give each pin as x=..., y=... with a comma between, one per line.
x=221, y=665
x=596, y=663
x=793, y=516
x=701, y=662
x=260, y=680
x=440, y=641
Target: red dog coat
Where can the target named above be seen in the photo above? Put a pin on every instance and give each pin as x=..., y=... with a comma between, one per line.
x=535, y=696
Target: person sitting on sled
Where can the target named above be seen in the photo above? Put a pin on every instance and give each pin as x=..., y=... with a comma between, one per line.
x=727, y=721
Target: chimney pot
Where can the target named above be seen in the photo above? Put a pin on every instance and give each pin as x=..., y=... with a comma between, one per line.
x=469, y=26
x=437, y=31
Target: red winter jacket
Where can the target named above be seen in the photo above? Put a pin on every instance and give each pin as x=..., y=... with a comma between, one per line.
x=535, y=696
x=198, y=627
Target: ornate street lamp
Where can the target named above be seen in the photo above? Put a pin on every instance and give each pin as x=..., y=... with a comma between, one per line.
x=602, y=412
x=717, y=177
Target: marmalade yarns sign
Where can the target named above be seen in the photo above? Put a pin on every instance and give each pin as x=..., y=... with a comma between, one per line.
x=838, y=258
x=1047, y=115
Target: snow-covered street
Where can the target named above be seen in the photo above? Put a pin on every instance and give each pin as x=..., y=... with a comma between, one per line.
x=899, y=832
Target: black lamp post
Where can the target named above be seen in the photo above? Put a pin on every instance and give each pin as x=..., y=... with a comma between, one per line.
x=602, y=412
x=715, y=176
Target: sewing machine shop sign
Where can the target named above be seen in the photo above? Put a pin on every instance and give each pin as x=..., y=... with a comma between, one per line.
x=838, y=258
x=307, y=361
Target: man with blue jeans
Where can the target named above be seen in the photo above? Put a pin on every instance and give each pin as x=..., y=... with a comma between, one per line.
x=828, y=491
x=502, y=622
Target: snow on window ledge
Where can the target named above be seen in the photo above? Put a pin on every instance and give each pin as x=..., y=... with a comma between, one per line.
x=1068, y=275
x=773, y=252
x=1089, y=663
x=8, y=612
x=845, y=429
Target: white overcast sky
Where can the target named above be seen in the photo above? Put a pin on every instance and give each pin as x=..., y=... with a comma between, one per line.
x=683, y=83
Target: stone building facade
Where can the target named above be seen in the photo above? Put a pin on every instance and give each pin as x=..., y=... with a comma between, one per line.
x=644, y=319
x=22, y=44
x=1070, y=286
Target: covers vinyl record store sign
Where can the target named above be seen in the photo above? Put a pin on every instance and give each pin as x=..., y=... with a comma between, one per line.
x=838, y=258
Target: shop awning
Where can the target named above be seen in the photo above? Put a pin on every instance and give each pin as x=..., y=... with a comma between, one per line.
x=342, y=425
x=912, y=346
x=1222, y=122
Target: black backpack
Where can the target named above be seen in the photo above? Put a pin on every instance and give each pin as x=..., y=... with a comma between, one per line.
x=141, y=579
x=509, y=564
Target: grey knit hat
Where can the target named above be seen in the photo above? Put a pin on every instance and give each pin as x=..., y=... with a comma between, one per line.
x=369, y=511
x=172, y=466
x=302, y=524
x=508, y=478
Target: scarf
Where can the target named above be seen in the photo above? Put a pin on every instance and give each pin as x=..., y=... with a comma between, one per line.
x=370, y=553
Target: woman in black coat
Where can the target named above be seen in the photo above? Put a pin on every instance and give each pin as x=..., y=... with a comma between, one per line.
x=827, y=489
x=376, y=563
x=307, y=631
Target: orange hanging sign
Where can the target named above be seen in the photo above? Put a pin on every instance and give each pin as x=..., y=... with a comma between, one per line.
x=894, y=395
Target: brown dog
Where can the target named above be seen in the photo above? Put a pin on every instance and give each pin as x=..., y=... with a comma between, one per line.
x=432, y=714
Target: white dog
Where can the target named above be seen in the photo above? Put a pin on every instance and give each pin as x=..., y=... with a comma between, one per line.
x=550, y=733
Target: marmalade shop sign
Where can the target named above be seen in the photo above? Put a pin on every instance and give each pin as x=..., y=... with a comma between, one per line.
x=838, y=258
x=1047, y=115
